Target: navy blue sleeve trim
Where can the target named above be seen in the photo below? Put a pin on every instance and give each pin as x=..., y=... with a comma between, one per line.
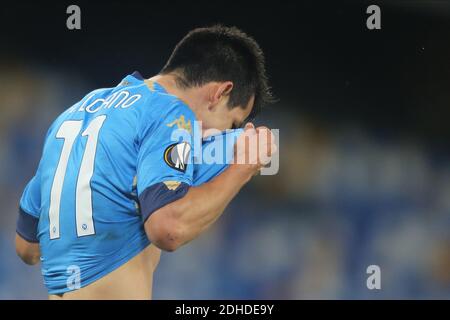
x=27, y=226
x=159, y=195
x=137, y=75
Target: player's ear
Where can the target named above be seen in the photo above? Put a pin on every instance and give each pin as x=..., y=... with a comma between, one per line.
x=219, y=92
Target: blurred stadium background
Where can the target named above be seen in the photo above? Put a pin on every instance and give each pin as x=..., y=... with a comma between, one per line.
x=364, y=131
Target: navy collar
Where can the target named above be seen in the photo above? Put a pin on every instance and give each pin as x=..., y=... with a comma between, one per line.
x=137, y=75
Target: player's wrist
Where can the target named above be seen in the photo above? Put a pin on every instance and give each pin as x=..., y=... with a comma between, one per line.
x=245, y=171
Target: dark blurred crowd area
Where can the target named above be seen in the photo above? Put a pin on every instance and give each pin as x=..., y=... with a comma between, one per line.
x=364, y=155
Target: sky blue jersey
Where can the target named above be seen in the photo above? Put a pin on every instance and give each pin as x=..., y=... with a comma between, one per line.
x=108, y=162
x=217, y=153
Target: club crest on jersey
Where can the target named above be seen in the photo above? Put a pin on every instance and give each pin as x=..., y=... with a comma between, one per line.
x=177, y=155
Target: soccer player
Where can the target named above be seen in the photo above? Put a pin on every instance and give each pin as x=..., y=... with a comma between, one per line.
x=117, y=181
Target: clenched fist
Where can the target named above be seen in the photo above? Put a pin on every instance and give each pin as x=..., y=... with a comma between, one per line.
x=255, y=147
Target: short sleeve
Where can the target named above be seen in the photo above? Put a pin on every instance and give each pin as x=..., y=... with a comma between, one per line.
x=29, y=210
x=164, y=166
x=217, y=154
x=30, y=204
x=30, y=201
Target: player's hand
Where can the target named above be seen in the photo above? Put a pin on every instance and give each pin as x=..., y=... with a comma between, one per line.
x=255, y=147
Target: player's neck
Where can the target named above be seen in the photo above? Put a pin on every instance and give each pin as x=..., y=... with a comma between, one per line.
x=190, y=96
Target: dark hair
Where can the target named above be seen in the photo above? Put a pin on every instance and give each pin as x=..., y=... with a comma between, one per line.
x=221, y=53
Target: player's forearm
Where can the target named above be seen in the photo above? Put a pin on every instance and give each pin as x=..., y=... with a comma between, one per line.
x=183, y=220
x=204, y=204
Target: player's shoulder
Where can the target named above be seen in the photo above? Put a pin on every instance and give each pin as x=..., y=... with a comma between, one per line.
x=164, y=105
x=167, y=110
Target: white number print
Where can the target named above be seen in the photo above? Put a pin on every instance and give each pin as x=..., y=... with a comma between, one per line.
x=69, y=131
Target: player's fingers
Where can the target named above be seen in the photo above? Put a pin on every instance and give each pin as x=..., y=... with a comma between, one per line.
x=249, y=126
x=267, y=151
x=266, y=138
x=273, y=149
x=260, y=128
x=265, y=133
x=250, y=131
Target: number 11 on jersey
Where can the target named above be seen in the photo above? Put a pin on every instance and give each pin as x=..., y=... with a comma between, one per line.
x=69, y=131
